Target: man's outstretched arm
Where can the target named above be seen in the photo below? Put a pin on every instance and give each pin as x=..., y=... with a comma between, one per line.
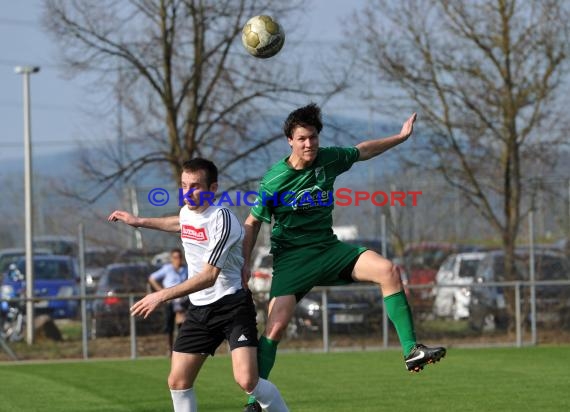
x=166, y=224
x=203, y=280
x=371, y=148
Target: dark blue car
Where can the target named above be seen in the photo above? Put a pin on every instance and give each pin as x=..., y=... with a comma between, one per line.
x=54, y=276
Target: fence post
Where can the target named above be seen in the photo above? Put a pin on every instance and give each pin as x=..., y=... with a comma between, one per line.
x=82, y=289
x=532, y=277
x=385, y=254
x=325, y=312
x=133, y=329
x=518, y=313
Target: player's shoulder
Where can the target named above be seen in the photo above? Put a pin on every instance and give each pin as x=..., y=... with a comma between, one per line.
x=275, y=172
x=222, y=211
x=335, y=153
x=228, y=219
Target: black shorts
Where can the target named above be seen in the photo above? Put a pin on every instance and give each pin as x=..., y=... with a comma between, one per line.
x=205, y=328
x=170, y=317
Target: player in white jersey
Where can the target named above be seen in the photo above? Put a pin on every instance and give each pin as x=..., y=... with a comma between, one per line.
x=220, y=307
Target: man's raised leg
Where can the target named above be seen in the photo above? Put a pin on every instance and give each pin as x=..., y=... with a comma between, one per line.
x=372, y=267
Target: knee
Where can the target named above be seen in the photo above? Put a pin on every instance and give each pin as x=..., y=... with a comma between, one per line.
x=247, y=382
x=387, y=272
x=178, y=382
x=275, y=329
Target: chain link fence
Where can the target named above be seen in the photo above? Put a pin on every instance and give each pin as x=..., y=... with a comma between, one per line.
x=328, y=319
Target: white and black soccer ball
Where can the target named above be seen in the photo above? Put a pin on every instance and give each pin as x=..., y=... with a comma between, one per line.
x=262, y=36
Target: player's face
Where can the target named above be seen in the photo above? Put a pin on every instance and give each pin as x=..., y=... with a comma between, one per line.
x=176, y=259
x=195, y=187
x=304, y=144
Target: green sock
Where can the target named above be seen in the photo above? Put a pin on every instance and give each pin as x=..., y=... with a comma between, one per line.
x=400, y=314
x=266, y=353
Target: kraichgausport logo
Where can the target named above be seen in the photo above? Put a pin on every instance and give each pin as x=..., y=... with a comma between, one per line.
x=302, y=200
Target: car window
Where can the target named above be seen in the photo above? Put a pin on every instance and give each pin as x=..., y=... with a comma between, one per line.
x=492, y=268
x=49, y=269
x=6, y=260
x=58, y=247
x=468, y=268
x=448, y=263
x=425, y=258
x=126, y=279
x=98, y=259
x=552, y=268
x=486, y=268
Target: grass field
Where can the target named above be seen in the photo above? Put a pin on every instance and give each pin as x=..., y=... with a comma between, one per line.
x=527, y=379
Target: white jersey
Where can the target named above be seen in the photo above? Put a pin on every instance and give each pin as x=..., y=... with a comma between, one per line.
x=214, y=237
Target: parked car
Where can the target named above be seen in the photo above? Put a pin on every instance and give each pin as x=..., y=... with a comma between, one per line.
x=110, y=315
x=420, y=263
x=261, y=272
x=488, y=306
x=458, y=269
x=59, y=245
x=12, y=255
x=350, y=310
x=54, y=276
x=96, y=259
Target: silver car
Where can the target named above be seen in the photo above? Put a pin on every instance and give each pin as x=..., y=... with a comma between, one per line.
x=457, y=271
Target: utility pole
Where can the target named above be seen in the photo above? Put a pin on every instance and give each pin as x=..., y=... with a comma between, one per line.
x=25, y=71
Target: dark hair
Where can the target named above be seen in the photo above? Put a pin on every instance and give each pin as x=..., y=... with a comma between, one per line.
x=176, y=250
x=198, y=163
x=309, y=115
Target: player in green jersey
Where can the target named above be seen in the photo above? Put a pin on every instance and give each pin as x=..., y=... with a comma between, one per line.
x=297, y=193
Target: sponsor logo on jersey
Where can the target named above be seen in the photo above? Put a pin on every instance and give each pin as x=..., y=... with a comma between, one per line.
x=194, y=233
x=310, y=198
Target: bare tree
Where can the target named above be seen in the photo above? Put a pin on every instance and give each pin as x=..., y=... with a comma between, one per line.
x=178, y=72
x=486, y=79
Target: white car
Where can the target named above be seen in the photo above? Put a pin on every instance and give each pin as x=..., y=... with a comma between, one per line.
x=262, y=271
x=457, y=271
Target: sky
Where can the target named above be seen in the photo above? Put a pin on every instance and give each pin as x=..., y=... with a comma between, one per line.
x=57, y=103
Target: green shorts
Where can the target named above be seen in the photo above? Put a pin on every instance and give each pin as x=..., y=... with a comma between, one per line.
x=297, y=271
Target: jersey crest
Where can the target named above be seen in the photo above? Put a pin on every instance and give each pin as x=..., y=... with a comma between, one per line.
x=320, y=175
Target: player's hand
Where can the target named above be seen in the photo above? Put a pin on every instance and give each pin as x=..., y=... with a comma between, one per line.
x=408, y=127
x=121, y=215
x=146, y=305
x=245, y=276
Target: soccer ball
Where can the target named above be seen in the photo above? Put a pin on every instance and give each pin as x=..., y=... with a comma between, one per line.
x=262, y=37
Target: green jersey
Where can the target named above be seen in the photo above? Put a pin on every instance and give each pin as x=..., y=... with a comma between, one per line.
x=301, y=201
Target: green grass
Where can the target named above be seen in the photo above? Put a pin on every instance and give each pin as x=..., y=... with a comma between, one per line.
x=527, y=379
